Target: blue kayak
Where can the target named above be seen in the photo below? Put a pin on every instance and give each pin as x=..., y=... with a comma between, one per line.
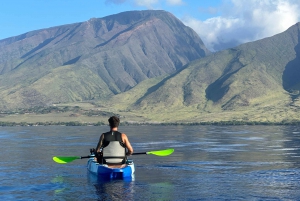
x=102, y=170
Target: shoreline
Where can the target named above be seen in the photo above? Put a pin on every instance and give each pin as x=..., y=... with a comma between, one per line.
x=215, y=123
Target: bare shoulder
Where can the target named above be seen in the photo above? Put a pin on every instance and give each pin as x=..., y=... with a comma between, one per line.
x=124, y=135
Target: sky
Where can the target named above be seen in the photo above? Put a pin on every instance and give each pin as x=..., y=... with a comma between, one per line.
x=220, y=24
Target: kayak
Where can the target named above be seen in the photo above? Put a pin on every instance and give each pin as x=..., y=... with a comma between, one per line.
x=102, y=170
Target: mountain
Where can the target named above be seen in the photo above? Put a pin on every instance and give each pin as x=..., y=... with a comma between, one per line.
x=95, y=59
x=148, y=66
x=256, y=81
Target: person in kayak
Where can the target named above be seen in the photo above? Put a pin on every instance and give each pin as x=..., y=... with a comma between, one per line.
x=113, y=146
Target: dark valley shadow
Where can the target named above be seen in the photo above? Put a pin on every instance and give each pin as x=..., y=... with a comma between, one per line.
x=291, y=74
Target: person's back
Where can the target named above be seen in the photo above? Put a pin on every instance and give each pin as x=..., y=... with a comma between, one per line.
x=114, y=151
x=112, y=145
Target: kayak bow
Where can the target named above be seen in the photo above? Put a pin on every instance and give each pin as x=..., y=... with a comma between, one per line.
x=104, y=171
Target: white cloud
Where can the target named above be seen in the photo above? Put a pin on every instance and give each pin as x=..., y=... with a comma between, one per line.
x=146, y=3
x=245, y=20
x=150, y=4
x=175, y=2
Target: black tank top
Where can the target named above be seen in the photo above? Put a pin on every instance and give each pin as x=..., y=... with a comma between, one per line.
x=112, y=136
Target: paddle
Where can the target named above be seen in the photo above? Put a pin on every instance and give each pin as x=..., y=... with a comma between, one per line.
x=165, y=152
x=68, y=159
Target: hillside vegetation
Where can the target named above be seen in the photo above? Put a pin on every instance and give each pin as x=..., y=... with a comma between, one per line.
x=93, y=60
x=147, y=67
x=257, y=81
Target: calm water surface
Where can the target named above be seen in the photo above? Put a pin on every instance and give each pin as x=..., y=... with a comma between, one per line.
x=209, y=163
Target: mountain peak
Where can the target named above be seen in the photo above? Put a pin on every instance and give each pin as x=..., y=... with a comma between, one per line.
x=96, y=58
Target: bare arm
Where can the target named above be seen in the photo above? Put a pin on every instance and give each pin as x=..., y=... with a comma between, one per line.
x=127, y=144
x=99, y=143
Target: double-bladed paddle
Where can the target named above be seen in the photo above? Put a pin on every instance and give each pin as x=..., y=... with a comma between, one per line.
x=165, y=152
x=68, y=159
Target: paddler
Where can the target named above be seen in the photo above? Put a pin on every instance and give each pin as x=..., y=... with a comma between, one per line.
x=113, y=146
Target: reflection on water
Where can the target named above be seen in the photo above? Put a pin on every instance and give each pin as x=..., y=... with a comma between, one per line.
x=131, y=190
x=209, y=163
x=112, y=189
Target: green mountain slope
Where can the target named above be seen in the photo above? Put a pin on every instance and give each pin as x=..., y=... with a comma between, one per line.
x=257, y=81
x=93, y=59
x=147, y=66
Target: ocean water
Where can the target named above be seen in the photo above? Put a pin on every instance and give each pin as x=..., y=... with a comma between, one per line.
x=209, y=163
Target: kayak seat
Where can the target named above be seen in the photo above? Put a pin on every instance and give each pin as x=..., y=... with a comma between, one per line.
x=114, y=153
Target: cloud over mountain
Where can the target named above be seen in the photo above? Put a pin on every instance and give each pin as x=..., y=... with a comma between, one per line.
x=232, y=22
x=242, y=21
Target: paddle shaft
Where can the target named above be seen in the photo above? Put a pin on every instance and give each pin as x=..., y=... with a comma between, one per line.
x=68, y=159
x=81, y=157
x=139, y=153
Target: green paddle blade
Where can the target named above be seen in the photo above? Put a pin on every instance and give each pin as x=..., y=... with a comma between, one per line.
x=65, y=159
x=165, y=152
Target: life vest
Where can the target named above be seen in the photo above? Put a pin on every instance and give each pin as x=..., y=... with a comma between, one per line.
x=113, y=148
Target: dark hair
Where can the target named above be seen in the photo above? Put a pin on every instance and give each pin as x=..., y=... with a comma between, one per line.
x=114, y=121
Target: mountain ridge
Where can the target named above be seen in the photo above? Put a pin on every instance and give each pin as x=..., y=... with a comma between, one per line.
x=117, y=51
x=150, y=66
x=249, y=81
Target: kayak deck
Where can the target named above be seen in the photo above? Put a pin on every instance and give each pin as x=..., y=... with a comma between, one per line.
x=102, y=170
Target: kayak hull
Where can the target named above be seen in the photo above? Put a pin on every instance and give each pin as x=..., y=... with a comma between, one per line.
x=101, y=170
